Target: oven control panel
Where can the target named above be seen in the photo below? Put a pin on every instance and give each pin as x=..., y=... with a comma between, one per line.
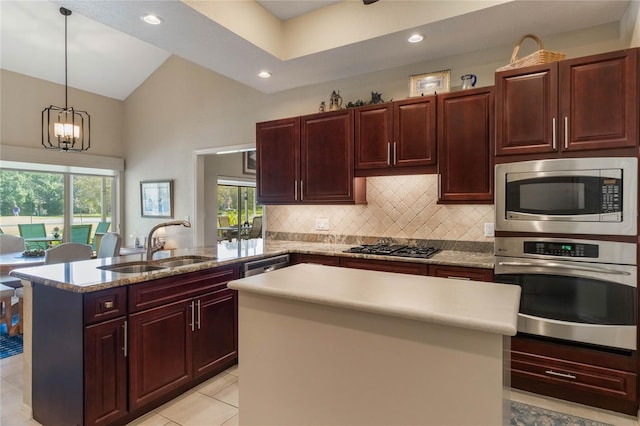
x=564, y=249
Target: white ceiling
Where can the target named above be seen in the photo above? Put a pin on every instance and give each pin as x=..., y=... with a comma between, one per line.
x=111, y=52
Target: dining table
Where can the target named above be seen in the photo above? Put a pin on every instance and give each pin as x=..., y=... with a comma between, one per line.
x=13, y=260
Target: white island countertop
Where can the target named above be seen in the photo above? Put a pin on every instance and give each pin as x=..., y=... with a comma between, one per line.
x=473, y=305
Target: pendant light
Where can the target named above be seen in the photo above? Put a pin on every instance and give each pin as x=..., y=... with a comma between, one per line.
x=65, y=129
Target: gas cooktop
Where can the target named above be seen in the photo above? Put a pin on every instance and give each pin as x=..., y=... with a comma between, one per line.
x=394, y=250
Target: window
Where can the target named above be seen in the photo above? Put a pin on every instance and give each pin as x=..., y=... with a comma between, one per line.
x=56, y=197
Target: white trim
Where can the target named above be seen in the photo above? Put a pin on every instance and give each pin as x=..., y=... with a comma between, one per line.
x=226, y=149
x=71, y=162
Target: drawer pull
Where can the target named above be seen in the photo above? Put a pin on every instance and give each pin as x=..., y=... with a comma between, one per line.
x=459, y=278
x=563, y=375
x=108, y=304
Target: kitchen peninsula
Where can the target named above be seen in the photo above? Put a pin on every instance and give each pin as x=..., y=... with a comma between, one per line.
x=326, y=345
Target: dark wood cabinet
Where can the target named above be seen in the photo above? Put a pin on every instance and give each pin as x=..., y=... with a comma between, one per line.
x=215, y=338
x=585, y=375
x=396, y=137
x=465, y=142
x=318, y=259
x=461, y=272
x=184, y=328
x=160, y=358
x=278, y=160
x=326, y=158
x=384, y=265
x=79, y=365
x=110, y=356
x=581, y=104
x=105, y=379
x=307, y=159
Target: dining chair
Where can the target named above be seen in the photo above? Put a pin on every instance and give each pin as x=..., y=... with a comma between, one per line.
x=110, y=245
x=11, y=244
x=226, y=234
x=101, y=229
x=33, y=230
x=256, y=228
x=80, y=233
x=67, y=252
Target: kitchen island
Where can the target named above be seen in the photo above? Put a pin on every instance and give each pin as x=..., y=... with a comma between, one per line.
x=326, y=346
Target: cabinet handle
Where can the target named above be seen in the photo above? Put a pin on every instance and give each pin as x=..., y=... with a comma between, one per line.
x=301, y=190
x=125, y=348
x=566, y=132
x=394, y=154
x=193, y=313
x=295, y=190
x=388, y=153
x=563, y=375
x=555, y=131
x=199, y=313
x=459, y=278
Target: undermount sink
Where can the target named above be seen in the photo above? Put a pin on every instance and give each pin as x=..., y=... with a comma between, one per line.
x=132, y=268
x=182, y=260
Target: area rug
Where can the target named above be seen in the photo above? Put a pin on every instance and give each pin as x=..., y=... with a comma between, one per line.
x=9, y=345
x=529, y=415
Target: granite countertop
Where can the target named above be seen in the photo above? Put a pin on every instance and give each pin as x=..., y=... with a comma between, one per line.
x=482, y=306
x=84, y=276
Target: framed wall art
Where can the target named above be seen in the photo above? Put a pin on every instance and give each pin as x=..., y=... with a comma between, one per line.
x=156, y=198
x=249, y=162
x=430, y=83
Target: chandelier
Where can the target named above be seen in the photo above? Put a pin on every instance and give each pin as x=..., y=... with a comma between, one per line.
x=65, y=129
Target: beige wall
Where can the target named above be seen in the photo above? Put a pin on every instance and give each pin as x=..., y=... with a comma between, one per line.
x=183, y=107
x=23, y=99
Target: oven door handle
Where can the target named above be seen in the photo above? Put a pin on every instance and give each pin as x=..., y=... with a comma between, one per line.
x=572, y=267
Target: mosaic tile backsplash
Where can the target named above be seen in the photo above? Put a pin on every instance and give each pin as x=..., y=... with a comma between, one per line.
x=399, y=207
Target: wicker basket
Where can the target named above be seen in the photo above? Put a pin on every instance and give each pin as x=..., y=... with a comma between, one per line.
x=541, y=56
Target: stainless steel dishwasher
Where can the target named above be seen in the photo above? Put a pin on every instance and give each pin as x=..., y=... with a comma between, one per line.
x=261, y=266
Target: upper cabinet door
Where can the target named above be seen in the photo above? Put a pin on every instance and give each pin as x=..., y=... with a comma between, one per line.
x=373, y=126
x=326, y=157
x=599, y=101
x=414, y=133
x=278, y=159
x=526, y=110
x=465, y=141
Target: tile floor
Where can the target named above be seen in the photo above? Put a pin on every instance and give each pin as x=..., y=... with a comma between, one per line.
x=215, y=403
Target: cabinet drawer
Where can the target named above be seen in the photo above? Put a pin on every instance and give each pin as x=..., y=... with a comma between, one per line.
x=462, y=273
x=573, y=376
x=384, y=265
x=166, y=290
x=104, y=305
x=318, y=259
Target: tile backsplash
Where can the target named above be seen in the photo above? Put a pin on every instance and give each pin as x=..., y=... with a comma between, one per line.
x=398, y=207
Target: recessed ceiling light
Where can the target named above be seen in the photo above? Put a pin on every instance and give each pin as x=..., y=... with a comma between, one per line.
x=264, y=74
x=151, y=19
x=415, y=38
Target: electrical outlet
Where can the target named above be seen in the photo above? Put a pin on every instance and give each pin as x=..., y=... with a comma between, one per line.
x=322, y=224
x=489, y=230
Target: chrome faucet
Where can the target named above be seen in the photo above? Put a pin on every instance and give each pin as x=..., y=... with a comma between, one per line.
x=151, y=247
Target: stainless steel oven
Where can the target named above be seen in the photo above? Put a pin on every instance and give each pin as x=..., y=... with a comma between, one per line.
x=571, y=195
x=576, y=290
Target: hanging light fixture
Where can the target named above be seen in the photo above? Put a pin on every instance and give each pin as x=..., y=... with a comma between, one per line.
x=65, y=129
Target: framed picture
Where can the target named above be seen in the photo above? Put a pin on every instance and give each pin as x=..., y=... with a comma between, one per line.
x=430, y=83
x=156, y=198
x=249, y=162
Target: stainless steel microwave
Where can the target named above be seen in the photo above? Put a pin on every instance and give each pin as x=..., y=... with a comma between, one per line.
x=570, y=196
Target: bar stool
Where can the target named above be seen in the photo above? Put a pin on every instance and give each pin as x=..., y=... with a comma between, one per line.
x=6, y=293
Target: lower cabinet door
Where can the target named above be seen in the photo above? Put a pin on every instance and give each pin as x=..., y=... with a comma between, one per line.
x=215, y=337
x=160, y=357
x=105, y=380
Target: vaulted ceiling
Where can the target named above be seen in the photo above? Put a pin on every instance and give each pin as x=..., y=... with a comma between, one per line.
x=112, y=51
